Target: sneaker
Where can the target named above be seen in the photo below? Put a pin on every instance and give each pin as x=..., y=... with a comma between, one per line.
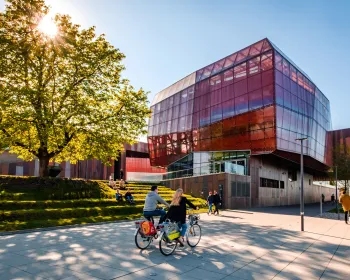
x=181, y=242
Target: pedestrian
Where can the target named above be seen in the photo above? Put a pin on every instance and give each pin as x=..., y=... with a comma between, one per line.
x=322, y=198
x=210, y=201
x=217, y=202
x=121, y=174
x=333, y=198
x=344, y=199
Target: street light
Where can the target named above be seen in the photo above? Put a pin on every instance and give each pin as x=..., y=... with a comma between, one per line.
x=302, y=181
x=336, y=190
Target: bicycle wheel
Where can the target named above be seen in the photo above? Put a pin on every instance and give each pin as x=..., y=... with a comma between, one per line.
x=142, y=242
x=194, y=235
x=167, y=247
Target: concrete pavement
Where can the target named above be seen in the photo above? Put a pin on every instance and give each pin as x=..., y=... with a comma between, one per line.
x=237, y=245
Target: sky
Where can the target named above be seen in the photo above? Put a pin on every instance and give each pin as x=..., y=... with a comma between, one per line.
x=166, y=40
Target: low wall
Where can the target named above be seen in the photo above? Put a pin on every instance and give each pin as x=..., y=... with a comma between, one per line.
x=232, y=192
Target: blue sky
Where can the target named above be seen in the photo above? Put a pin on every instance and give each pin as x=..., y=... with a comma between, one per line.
x=166, y=40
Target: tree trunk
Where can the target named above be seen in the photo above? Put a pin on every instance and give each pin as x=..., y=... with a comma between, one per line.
x=43, y=166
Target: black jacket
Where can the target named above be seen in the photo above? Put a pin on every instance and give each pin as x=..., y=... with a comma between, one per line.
x=178, y=213
x=210, y=199
x=217, y=198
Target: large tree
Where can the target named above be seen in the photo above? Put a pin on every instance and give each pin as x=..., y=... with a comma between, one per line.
x=62, y=97
x=341, y=159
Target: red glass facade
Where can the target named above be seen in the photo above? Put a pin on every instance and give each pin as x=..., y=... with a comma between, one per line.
x=255, y=99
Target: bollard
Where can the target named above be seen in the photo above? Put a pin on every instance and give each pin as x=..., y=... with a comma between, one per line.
x=321, y=205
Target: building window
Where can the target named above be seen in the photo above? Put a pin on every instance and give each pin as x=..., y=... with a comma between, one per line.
x=240, y=189
x=281, y=184
x=292, y=175
x=269, y=183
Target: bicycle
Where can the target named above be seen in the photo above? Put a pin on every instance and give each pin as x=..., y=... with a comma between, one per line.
x=143, y=240
x=170, y=233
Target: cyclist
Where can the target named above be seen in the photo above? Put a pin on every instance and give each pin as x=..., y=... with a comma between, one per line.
x=177, y=212
x=150, y=207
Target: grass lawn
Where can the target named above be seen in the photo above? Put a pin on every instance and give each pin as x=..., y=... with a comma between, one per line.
x=32, y=202
x=334, y=210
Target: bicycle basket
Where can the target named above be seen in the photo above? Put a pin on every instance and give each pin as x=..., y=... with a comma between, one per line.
x=171, y=230
x=148, y=228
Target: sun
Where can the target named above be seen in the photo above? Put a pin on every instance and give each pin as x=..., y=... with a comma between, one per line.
x=48, y=26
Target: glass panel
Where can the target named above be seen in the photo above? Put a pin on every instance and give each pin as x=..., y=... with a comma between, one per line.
x=204, y=117
x=241, y=104
x=175, y=112
x=227, y=77
x=278, y=61
x=176, y=99
x=285, y=67
x=240, y=72
x=266, y=61
x=205, y=101
x=240, y=88
x=255, y=99
x=293, y=73
x=207, y=71
x=279, y=95
x=183, y=108
x=190, y=92
x=254, y=82
x=218, y=66
x=215, y=97
x=254, y=65
x=229, y=61
x=216, y=113
x=228, y=109
x=268, y=95
x=266, y=46
x=256, y=48
x=227, y=93
x=183, y=96
x=189, y=109
x=181, y=124
x=215, y=82
x=287, y=99
x=243, y=54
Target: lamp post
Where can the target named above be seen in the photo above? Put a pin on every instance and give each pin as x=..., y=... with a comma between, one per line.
x=336, y=190
x=302, y=181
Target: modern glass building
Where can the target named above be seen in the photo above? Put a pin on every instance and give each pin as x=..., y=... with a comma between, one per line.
x=254, y=100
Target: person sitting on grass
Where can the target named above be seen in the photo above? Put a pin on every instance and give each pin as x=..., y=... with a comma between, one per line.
x=122, y=184
x=128, y=197
x=118, y=196
x=111, y=183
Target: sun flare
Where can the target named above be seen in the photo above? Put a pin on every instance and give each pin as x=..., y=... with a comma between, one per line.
x=48, y=26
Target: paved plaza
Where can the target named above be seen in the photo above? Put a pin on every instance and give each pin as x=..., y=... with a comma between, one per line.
x=237, y=245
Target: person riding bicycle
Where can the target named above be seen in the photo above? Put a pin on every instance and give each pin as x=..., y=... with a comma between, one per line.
x=177, y=212
x=150, y=207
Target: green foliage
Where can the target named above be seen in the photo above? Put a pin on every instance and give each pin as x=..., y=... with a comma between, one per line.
x=63, y=97
x=341, y=159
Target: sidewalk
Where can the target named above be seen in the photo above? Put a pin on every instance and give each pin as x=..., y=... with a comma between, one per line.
x=237, y=245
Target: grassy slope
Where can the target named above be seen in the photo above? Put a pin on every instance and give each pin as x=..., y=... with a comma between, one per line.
x=30, y=202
